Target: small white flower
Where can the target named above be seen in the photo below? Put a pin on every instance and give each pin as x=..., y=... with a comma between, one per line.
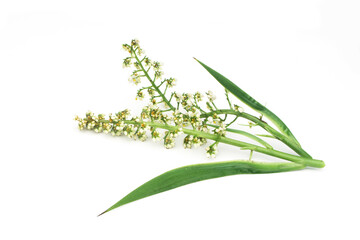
x=89, y=114
x=169, y=142
x=141, y=135
x=188, y=141
x=129, y=131
x=194, y=118
x=157, y=65
x=189, y=103
x=178, y=97
x=238, y=108
x=196, y=142
x=81, y=125
x=140, y=51
x=211, y=151
x=156, y=136
x=221, y=130
x=140, y=95
x=127, y=62
x=147, y=62
x=210, y=96
x=158, y=74
x=135, y=79
x=137, y=65
x=151, y=92
x=126, y=47
x=198, y=96
x=170, y=82
x=204, y=128
x=178, y=117
x=135, y=43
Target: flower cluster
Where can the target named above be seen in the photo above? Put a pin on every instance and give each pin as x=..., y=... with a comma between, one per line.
x=210, y=96
x=211, y=151
x=137, y=127
x=177, y=112
x=170, y=82
x=193, y=141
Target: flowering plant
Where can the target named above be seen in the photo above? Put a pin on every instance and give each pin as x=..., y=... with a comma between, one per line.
x=169, y=114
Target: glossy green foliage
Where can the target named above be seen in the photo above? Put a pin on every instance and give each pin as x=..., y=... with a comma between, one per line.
x=193, y=173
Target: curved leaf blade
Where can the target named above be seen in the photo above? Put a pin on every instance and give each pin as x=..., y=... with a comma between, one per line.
x=248, y=100
x=198, y=172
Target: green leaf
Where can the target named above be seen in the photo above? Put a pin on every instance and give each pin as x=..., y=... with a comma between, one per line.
x=251, y=102
x=198, y=172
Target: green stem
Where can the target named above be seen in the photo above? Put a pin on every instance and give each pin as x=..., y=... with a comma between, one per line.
x=251, y=153
x=286, y=140
x=265, y=135
x=228, y=99
x=166, y=110
x=162, y=82
x=197, y=106
x=214, y=105
x=152, y=83
x=227, y=125
x=296, y=159
x=246, y=134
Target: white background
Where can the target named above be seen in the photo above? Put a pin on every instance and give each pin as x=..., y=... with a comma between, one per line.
x=62, y=58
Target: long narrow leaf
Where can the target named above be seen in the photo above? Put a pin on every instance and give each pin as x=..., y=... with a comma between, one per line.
x=251, y=102
x=198, y=172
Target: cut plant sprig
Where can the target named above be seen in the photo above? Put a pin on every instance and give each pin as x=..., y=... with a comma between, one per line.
x=196, y=115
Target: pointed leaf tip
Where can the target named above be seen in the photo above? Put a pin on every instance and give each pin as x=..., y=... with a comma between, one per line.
x=102, y=213
x=251, y=102
x=194, y=173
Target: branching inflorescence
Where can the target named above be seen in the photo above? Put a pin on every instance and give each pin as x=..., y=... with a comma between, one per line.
x=170, y=114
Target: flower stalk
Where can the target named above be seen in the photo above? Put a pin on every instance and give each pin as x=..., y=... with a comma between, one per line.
x=246, y=146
